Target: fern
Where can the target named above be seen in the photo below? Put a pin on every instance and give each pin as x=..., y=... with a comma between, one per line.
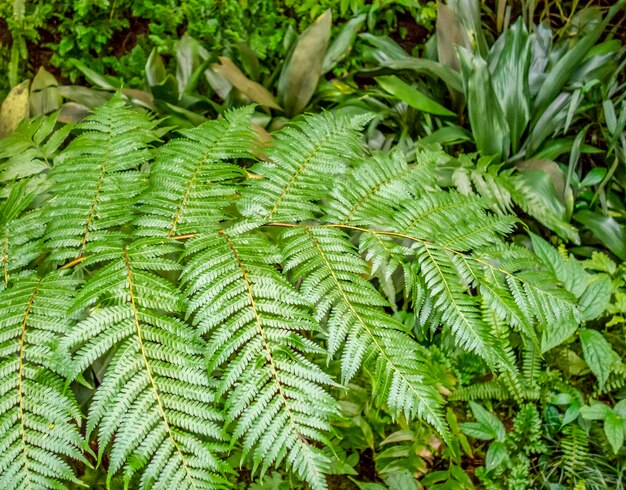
x=331, y=272
x=301, y=166
x=210, y=304
x=20, y=231
x=154, y=406
x=186, y=190
x=256, y=321
x=40, y=419
x=105, y=159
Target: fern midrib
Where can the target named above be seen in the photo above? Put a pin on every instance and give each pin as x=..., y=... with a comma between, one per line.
x=300, y=169
x=5, y=256
x=450, y=295
x=189, y=186
x=155, y=390
x=371, y=192
x=268, y=352
x=379, y=347
x=20, y=384
x=179, y=212
x=92, y=211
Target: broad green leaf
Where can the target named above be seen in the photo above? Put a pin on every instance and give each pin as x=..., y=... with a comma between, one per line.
x=342, y=44
x=187, y=56
x=44, y=93
x=489, y=126
x=85, y=96
x=596, y=297
x=614, y=431
x=478, y=431
x=468, y=12
x=606, y=229
x=510, y=81
x=14, y=108
x=598, y=354
x=387, y=48
x=489, y=420
x=595, y=411
x=571, y=413
x=448, y=135
x=255, y=91
x=249, y=60
x=413, y=97
x=400, y=480
x=593, y=177
x=555, y=333
x=155, y=69
x=620, y=409
x=497, y=454
x=301, y=72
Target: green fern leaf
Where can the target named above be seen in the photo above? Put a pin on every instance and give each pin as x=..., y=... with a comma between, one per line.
x=301, y=166
x=96, y=178
x=331, y=274
x=154, y=406
x=39, y=417
x=20, y=231
x=189, y=178
x=255, y=322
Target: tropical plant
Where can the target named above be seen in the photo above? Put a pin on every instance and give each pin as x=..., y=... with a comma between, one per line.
x=216, y=295
x=532, y=104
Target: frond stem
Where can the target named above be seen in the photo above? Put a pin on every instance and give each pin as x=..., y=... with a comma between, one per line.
x=20, y=384
x=147, y=364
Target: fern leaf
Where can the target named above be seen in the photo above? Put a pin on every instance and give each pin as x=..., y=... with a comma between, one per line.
x=189, y=178
x=96, y=179
x=254, y=320
x=40, y=419
x=301, y=167
x=20, y=232
x=373, y=191
x=154, y=406
x=332, y=279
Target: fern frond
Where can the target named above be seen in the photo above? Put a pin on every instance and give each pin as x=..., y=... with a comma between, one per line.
x=20, y=231
x=510, y=377
x=96, y=179
x=331, y=274
x=39, y=417
x=255, y=322
x=189, y=179
x=31, y=148
x=301, y=167
x=490, y=390
x=373, y=191
x=154, y=406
